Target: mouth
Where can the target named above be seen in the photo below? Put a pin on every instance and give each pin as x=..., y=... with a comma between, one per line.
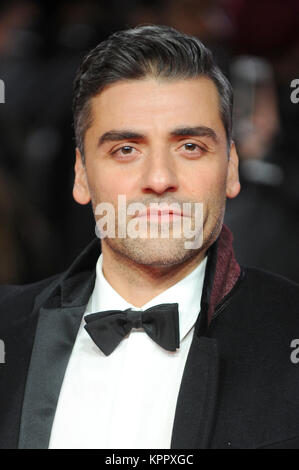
x=160, y=215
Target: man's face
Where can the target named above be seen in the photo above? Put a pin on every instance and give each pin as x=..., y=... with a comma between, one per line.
x=158, y=141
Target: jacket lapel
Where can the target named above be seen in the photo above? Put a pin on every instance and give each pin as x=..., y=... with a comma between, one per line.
x=55, y=336
x=197, y=400
x=59, y=316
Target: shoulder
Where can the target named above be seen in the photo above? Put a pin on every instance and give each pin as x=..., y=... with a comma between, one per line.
x=266, y=292
x=263, y=312
x=11, y=291
x=266, y=283
x=18, y=300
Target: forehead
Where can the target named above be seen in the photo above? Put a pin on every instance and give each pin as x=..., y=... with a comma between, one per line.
x=157, y=104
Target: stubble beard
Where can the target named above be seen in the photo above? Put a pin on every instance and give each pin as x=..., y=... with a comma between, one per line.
x=159, y=252
x=163, y=252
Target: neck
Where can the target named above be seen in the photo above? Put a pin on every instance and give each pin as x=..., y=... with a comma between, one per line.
x=139, y=283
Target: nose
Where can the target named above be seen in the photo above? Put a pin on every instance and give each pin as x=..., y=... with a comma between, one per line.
x=159, y=174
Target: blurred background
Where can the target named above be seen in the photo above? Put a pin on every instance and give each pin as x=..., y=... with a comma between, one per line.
x=256, y=43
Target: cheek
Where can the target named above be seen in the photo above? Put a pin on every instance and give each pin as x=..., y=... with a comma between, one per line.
x=206, y=184
x=106, y=184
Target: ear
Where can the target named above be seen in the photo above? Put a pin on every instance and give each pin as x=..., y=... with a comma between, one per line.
x=80, y=189
x=232, y=183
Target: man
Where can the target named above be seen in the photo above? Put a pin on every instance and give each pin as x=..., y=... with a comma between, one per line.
x=209, y=362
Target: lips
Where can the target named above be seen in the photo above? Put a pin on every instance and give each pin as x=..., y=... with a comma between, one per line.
x=160, y=214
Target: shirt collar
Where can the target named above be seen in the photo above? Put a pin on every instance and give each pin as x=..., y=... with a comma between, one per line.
x=187, y=293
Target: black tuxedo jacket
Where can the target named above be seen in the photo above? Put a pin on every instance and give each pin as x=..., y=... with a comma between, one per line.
x=240, y=387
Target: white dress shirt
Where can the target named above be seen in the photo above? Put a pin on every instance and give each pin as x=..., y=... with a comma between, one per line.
x=126, y=400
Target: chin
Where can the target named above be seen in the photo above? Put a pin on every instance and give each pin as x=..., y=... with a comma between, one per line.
x=159, y=252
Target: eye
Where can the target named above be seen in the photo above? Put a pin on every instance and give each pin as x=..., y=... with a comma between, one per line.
x=191, y=147
x=125, y=150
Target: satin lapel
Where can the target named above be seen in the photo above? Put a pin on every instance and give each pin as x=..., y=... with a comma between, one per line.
x=197, y=398
x=55, y=336
x=198, y=391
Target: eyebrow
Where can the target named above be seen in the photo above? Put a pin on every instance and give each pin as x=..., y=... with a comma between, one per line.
x=115, y=136
x=198, y=131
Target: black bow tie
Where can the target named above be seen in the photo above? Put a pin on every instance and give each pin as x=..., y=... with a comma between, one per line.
x=161, y=323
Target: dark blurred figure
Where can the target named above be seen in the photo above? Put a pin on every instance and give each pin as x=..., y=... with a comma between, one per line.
x=25, y=232
x=264, y=217
x=205, y=19
x=41, y=45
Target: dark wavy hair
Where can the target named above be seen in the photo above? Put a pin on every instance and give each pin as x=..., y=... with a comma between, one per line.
x=145, y=51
